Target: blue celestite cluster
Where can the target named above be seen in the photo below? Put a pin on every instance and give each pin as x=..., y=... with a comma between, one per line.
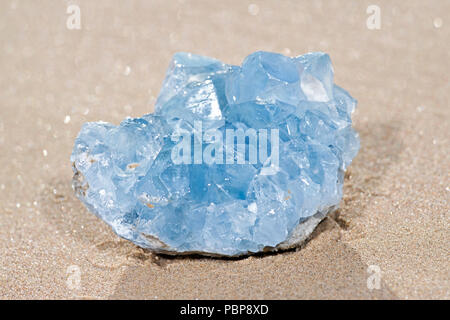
x=165, y=196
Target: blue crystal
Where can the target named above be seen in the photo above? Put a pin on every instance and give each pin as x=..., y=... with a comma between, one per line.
x=127, y=174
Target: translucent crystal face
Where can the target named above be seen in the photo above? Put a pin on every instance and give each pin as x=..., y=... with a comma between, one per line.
x=232, y=160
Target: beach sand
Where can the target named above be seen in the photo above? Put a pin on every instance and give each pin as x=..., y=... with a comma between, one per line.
x=394, y=218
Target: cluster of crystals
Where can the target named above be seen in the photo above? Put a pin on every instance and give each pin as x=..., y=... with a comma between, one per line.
x=125, y=174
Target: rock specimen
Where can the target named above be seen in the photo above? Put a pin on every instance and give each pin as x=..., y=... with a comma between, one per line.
x=234, y=160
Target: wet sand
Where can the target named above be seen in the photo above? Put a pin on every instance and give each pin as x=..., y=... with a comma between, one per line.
x=394, y=216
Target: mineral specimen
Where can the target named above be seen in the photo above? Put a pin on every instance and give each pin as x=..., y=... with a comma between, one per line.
x=234, y=160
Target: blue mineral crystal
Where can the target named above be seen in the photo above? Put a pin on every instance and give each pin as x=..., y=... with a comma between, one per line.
x=234, y=160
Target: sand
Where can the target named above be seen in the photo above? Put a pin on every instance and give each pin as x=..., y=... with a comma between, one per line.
x=394, y=217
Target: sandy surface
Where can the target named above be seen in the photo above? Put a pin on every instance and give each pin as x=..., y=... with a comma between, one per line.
x=395, y=212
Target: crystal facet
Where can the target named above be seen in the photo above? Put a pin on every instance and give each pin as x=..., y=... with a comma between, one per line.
x=223, y=198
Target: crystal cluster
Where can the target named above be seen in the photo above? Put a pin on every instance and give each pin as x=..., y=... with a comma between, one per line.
x=127, y=174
